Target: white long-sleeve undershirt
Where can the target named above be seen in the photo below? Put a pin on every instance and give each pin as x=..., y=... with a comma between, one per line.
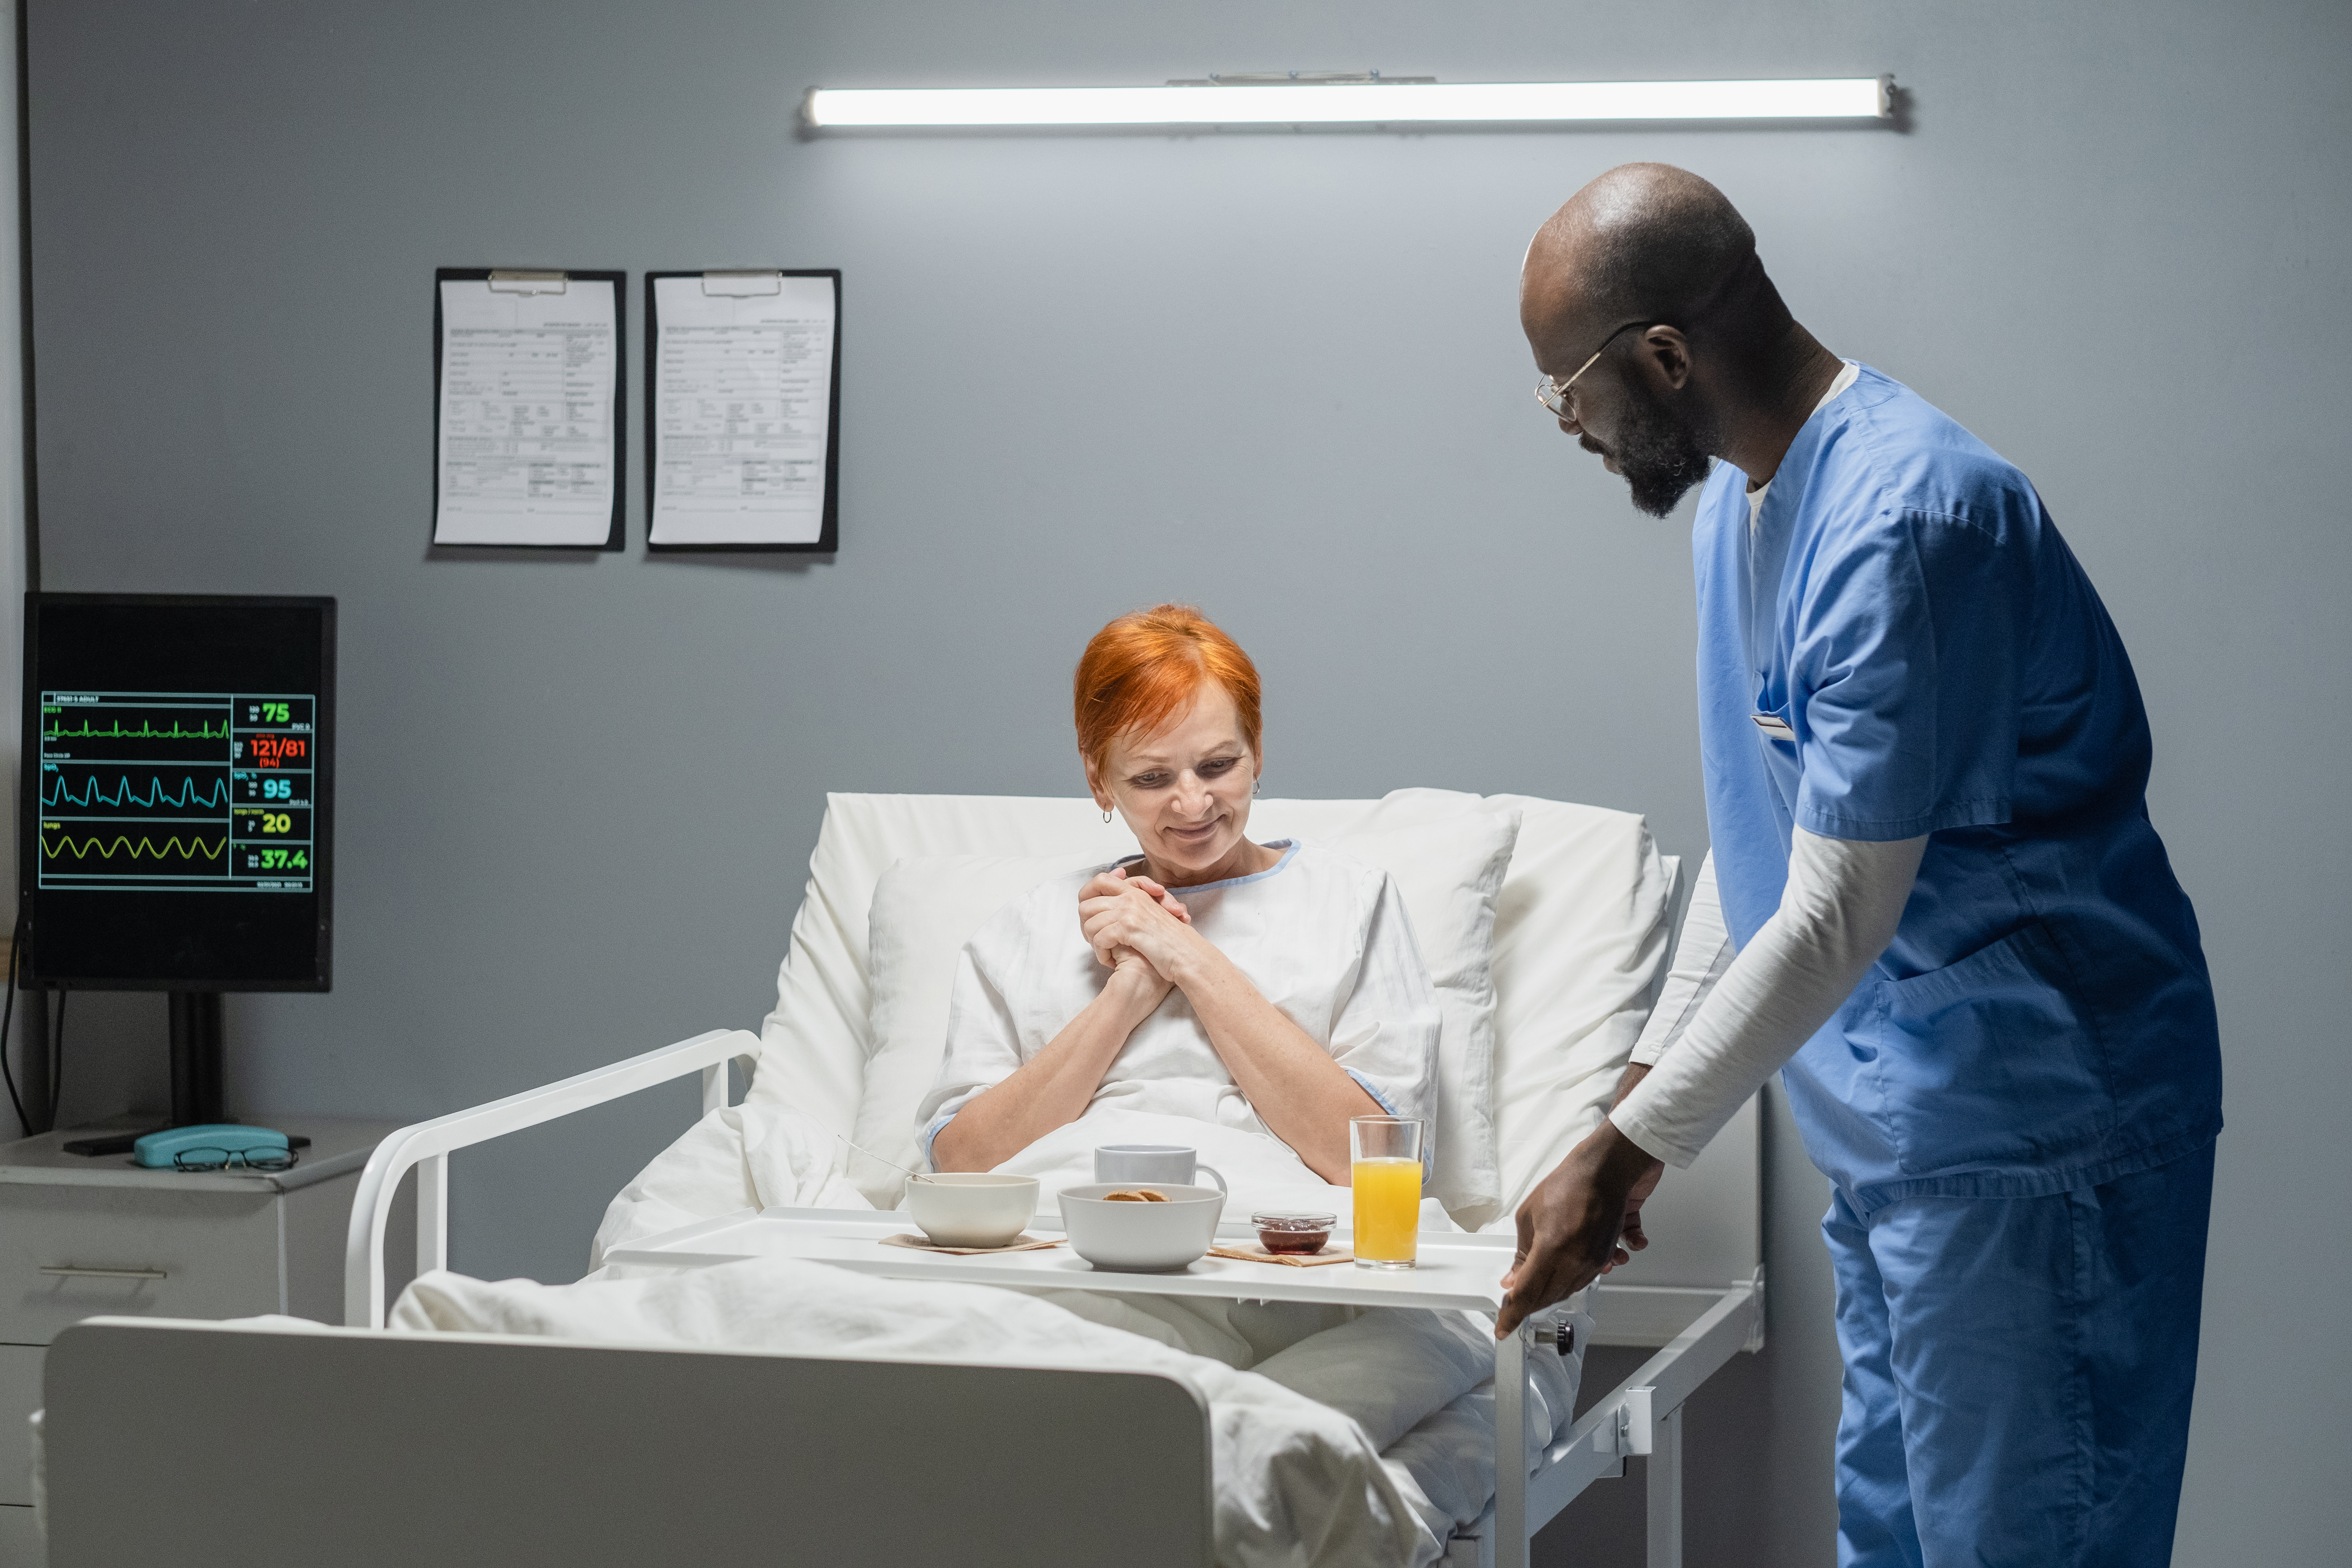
x=1726, y=1021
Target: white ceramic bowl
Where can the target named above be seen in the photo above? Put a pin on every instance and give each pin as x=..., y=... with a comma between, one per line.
x=972, y=1208
x=1142, y=1238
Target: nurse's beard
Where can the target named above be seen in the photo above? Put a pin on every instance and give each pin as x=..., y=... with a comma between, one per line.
x=1657, y=452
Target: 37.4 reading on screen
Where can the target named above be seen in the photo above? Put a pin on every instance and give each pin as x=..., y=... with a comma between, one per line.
x=182, y=747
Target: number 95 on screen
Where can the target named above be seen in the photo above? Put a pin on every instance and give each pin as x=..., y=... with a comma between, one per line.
x=257, y=788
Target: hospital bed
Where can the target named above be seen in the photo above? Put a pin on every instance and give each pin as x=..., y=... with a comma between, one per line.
x=198, y=1443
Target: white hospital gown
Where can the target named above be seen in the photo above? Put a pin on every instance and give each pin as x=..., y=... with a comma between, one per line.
x=1322, y=935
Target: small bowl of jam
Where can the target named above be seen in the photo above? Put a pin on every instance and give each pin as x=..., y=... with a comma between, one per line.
x=1292, y=1230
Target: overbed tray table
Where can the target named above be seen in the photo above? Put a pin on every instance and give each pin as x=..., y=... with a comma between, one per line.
x=1455, y=1270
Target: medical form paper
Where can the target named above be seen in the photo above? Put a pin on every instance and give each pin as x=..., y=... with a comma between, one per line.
x=528, y=433
x=741, y=410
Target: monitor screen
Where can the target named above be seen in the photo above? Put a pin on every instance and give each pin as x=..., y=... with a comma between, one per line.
x=179, y=791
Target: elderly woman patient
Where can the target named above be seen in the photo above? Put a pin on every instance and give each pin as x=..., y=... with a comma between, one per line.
x=1269, y=990
x=1242, y=998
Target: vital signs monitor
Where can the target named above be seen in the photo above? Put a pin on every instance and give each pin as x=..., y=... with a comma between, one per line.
x=176, y=825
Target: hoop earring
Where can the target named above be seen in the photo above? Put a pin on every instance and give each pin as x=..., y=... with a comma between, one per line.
x=1106, y=819
x=1259, y=788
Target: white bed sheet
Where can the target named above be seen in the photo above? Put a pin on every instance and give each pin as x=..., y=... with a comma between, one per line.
x=1427, y=1412
x=1296, y=1482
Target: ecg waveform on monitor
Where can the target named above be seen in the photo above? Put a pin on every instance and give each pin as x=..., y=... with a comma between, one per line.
x=193, y=851
x=60, y=793
x=145, y=731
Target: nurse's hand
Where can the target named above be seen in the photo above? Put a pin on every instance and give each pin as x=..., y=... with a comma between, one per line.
x=1570, y=1226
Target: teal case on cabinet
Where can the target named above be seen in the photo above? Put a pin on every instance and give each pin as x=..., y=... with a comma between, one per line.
x=156, y=1150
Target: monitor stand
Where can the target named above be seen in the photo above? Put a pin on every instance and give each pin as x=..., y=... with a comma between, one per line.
x=195, y=1057
x=197, y=1073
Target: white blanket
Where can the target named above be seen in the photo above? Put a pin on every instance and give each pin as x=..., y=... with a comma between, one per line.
x=1417, y=1458
x=1296, y=1481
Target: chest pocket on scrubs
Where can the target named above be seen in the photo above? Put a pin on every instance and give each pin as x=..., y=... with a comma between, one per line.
x=1776, y=734
x=1991, y=1060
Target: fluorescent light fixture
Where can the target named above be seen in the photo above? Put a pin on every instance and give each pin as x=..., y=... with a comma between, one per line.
x=1350, y=103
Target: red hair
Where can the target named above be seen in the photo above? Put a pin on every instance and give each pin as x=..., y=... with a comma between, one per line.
x=1145, y=668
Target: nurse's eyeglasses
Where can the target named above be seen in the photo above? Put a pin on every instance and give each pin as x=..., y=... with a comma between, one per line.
x=1553, y=394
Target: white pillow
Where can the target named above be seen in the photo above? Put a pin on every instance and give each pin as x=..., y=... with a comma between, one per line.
x=924, y=910
x=1447, y=855
x=1579, y=945
x=815, y=1045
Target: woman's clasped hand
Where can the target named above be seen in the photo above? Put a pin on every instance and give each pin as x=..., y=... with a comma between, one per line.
x=1135, y=924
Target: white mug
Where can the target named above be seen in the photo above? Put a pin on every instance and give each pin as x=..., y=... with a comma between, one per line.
x=1170, y=1163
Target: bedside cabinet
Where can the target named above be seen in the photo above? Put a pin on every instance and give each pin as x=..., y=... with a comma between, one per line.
x=84, y=1238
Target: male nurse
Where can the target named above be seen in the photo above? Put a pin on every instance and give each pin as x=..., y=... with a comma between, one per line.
x=1935, y=904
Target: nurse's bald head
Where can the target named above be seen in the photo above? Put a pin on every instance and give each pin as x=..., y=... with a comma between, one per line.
x=1645, y=242
x=1662, y=342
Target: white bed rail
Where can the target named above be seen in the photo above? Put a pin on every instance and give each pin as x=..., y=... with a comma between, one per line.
x=427, y=1146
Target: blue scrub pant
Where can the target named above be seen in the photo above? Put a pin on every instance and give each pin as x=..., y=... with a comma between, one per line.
x=2017, y=1372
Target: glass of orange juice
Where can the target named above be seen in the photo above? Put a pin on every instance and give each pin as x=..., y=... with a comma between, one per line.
x=1385, y=1151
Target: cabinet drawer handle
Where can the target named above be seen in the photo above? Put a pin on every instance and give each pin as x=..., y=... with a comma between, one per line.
x=67, y=1270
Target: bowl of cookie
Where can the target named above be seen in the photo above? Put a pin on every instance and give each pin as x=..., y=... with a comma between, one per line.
x=1140, y=1228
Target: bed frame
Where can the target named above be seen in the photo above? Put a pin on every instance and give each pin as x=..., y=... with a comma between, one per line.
x=202, y=1443
x=195, y=1444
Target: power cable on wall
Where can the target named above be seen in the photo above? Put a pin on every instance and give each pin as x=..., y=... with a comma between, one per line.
x=8, y=1016
x=55, y=1048
x=29, y=499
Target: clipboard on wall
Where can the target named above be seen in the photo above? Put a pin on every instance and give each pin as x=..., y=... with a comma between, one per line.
x=743, y=410
x=529, y=404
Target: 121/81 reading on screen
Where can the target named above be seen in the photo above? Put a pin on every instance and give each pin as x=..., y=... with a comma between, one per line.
x=154, y=791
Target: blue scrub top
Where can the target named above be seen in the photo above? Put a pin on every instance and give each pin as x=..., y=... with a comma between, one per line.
x=2042, y=1019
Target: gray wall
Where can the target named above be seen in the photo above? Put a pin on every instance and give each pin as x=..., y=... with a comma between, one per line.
x=12, y=454
x=1277, y=374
